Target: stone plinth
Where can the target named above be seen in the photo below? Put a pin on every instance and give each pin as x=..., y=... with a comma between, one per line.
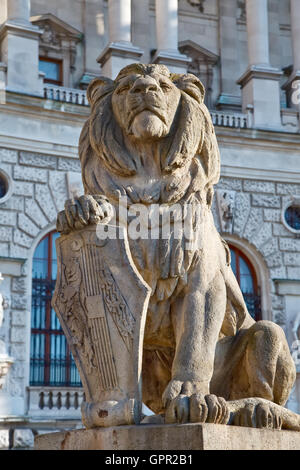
x=170, y=437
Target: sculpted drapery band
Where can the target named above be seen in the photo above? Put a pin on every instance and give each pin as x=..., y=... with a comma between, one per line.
x=152, y=307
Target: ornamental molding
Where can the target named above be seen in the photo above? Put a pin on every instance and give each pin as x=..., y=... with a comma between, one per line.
x=55, y=32
x=198, y=4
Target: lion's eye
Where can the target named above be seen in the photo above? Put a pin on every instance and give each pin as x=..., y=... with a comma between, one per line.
x=122, y=89
x=165, y=87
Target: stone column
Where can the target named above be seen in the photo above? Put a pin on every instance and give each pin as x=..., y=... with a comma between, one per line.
x=230, y=97
x=258, y=32
x=18, y=11
x=19, y=44
x=295, y=26
x=260, y=82
x=119, y=52
x=292, y=86
x=167, y=37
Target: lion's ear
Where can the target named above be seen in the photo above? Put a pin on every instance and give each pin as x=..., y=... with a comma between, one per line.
x=98, y=88
x=191, y=85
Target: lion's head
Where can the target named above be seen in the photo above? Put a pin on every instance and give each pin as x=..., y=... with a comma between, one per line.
x=147, y=103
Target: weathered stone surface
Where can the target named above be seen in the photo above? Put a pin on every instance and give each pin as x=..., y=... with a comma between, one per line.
x=18, y=251
x=8, y=217
x=274, y=260
x=263, y=200
x=44, y=198
x=23, y=439
x=270, y=247
x=242, y=211
x=30, y=174
x=18, y=301
x=39, y=160
x=34, y=212
x=293, y=273
x=254, y=224
x=18, y=317
x=20, y=238
x=166, y=437
x=8, y=156
x=58, y=186
x=23, y=188
x=289, y=244
x=68, y=164
x=264, y=234
x=279, y=230
x=4, y=249
x=17, y=335
x=4, y=439
x=278, y=273
x=15, y=203
x=7, y=168
x=19, y=284
x=18, y=350
x=230, y=183
x=27, y=226
x=259, y=186
x=272, y=215
x=5, y=234
x=291, y=189
x=277, y=301
x=291, y=259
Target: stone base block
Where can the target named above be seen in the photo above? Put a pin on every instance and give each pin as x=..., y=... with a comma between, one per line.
x=170, y=437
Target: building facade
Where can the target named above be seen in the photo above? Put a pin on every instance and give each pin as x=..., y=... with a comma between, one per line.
x=246, y=54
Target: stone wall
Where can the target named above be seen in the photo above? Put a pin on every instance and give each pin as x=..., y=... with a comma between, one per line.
x=38, y=193
x=257, y=222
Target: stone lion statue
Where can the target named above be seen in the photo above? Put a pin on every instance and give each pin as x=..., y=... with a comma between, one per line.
x=150, y=138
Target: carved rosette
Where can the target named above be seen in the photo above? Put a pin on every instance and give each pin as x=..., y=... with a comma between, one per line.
x=101, y=301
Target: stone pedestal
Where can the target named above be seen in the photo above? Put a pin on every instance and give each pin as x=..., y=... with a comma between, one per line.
x=170, y=437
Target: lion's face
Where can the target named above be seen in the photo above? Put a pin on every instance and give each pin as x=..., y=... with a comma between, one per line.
x=145, y=105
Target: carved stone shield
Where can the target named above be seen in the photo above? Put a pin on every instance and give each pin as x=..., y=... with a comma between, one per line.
x=101, y=301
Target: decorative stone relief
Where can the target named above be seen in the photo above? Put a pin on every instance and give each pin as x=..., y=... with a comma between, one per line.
x=242, y=10
x=103, y=323
x=202, y=65
x=197, y=3
x=58, y=41
x=226, y=204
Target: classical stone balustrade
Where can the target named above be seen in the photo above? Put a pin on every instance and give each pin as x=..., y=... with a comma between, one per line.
x=237, y=120
x=67, y=95
x=60, y=401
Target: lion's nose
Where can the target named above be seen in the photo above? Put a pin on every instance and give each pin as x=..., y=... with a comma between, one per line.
x=144, y=85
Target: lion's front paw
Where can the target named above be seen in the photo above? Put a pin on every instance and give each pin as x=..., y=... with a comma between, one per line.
x=197, y=408
x=258, y=415
x=85, y=210
x=179, y=387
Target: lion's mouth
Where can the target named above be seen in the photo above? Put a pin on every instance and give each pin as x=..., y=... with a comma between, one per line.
x=152, y=109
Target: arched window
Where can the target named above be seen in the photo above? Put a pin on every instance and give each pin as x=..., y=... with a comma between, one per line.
x=51, y=362
x=246, y=277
